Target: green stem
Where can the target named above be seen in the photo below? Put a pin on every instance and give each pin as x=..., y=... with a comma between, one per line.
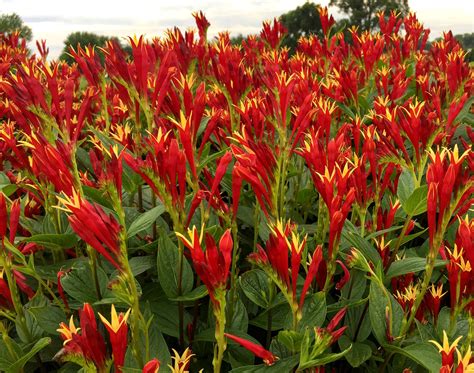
x=219, y=313
x=137, y=321
x=234, y=270
x=180, y=292
x=399, y=242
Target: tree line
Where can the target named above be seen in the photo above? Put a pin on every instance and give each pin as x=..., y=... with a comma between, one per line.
x=302, y=21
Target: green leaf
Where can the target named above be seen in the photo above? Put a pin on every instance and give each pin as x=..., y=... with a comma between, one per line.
x=167, y=266
x=283, y=365
x=141, y=264
x=158, y=346
x=195, y=294
x=322, y=360
x=20, y=363
x=359, y=353
x=96, y=196
x=416, y=204
x=54, y=241
x=31, y=332
x=240, y=318
x=290, y=339
x=78, y=284
x=6, y=187
x=280, y=318
x=410, y=265
x=466, y=110
x=353, y=239
x=424, y=353
x=406, y=186
x=378, y=303
x=411, y=237
x=145, y=220
x=48, y=317
x=256, y=287
x=314, y=311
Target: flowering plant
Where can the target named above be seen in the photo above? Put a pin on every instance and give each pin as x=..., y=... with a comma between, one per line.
x=333, y=189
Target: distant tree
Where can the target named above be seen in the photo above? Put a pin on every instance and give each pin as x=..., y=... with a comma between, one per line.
x=467, y=42
x=302, y=21
x=237, y=40
x=13, y=22
x=363, y=13
x=83, y=38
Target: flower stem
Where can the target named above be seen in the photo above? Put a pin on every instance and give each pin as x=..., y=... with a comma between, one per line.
x=219, y=313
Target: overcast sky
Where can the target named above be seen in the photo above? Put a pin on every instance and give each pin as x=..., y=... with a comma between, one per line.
x=53, y=20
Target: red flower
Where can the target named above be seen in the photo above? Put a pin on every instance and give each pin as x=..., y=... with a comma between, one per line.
x=212, y=265
x=433, y=300
x=283, y=242
x=61, y=290
x=447, y=350
x=202, y=24
x=312, y=271
x=118, y=331
x=326, y=21
x=9, y=222
x=273, y=34
x=163, y=168
x=153, y=366
x=336, y=334
x=97, y=229
x=446, y=177
x=52, y=164
x=89, y=345
x=5, y=294
x=267, y=357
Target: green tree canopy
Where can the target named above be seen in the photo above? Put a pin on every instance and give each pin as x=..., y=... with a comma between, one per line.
x=83, y=38
x=13, y=22
x=302, y=21
x=466, y=40
x=363, y=13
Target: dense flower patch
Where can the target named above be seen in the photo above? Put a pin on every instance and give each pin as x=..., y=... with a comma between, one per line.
x=199, y=205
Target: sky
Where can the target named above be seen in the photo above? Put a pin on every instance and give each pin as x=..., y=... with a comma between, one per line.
x=53, y=20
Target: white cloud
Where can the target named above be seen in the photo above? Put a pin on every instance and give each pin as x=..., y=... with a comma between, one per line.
x=53, y=20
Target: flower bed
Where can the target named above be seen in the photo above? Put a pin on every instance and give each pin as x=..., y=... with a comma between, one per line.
x=238, y=208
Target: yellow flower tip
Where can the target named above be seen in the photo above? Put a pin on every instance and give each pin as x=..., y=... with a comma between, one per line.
x=437, y=291
x=68, y=330
x=464, y=360
x=180, y=362
x=69, y=202
x=115, y=323
x=446, y=347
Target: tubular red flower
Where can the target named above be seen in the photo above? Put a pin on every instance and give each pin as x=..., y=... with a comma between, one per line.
x=89, y=344
x=212, y=265
x=345, y=278
x=118, y=332
x=61, y=290
x=3, y=217
x=312, y=271
x=153, y=366
x=97, y=229
x=267, y=357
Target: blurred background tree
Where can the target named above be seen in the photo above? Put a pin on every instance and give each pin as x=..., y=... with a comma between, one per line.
x=85, y=38
x=302, y=21
x=467, y=42
x=13, y=22
x=363, y=13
